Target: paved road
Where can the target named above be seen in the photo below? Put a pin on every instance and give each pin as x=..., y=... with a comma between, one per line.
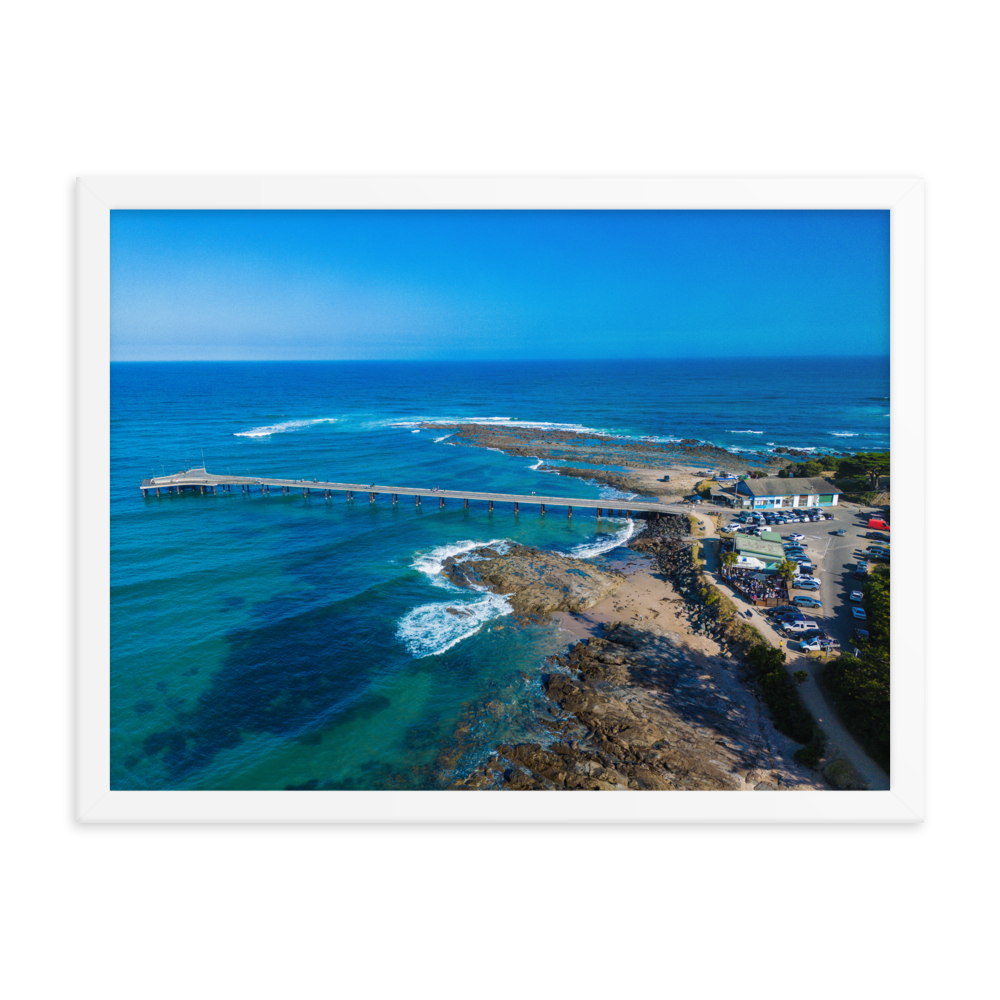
x=835, y=559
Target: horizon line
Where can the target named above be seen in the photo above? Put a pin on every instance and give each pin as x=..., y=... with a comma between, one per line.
x=322, y=361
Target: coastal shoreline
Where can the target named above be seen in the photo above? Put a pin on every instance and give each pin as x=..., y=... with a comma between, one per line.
x=643, y=701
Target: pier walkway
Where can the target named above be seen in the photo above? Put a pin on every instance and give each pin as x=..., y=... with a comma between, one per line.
x=202, y=481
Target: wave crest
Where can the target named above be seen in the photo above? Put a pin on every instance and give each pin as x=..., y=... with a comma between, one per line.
x=283, y=428
x=432, y=629
x=587, y=550
x=431, y=563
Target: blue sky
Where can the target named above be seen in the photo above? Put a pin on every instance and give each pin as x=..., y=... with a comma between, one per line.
x=249, y=285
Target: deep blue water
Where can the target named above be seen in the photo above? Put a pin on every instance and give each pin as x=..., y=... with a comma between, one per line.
x=268, y=642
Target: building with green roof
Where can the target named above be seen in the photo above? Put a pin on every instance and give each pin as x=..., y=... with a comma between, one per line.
x=759, y=553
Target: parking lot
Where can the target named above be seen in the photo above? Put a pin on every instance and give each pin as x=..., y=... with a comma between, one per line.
x=835, y=560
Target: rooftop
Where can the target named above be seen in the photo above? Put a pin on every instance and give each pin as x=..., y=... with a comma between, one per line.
x=787, y=487
x=749, y=545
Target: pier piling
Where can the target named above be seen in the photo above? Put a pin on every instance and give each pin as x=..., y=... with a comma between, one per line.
x=200, y=481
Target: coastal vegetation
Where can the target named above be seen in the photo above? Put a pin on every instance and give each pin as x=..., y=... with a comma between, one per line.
x=791, y=717
x=860, y=684
x=865, y=468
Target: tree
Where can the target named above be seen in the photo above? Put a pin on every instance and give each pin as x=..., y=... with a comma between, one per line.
x=729, y=559
x=871, y=465
x=787, y=570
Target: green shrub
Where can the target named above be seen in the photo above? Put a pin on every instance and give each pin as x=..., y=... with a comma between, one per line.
x=811, y=754
x=790, y=715
x=801, y=676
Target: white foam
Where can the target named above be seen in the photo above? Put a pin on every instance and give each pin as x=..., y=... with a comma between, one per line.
x=744, y=432
x=543, y=425
x=431, y=629
x=417, y=431
x=284, y=428
x=587, y=550
x=431, y=563
x=844, y=434
x=444, y=437
x=536, y=466
x=610, y=493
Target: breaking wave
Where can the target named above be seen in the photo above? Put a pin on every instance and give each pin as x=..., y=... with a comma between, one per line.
x=432, y=629
x=844, y=434
x=610, y=493
x=744, y=432
x=432, y=562
x=587, y=550
x=283, y=428
x=542, y=425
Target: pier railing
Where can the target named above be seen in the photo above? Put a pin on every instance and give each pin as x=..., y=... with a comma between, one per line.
x=203, y=482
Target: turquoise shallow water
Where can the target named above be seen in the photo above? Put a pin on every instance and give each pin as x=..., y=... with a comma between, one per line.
x=273, y=642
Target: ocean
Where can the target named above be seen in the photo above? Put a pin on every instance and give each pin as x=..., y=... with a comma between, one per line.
x=271, y=642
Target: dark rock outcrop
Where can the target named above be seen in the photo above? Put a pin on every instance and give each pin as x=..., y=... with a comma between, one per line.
x=538, y=582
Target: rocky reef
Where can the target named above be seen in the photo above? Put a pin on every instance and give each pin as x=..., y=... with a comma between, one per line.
x=620, y=481
x=632, y=708
x=635, y=711
x=538, y=582
x=596, y=449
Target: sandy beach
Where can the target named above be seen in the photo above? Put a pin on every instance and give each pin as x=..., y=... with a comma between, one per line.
x=643, y=599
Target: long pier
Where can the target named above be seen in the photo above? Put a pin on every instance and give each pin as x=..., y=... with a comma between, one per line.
x=202, y=481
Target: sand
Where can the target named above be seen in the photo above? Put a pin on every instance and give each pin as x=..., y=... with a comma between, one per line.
x=643, y=599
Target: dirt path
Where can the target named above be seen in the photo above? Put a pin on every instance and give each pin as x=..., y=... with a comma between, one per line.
x=839, y=741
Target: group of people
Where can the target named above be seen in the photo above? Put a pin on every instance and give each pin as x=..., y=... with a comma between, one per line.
x=754, y=586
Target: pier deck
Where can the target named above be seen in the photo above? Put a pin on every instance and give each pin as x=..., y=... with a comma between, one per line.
x=200, y=480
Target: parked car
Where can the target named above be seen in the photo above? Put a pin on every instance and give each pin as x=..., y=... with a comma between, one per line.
x=839, y=531
x=806, y=583
x=856, y=595
x=829, y=517
x=795, y=537
x=859, y=612
x=861, y=635
x=807, y=602
x=878, y=535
